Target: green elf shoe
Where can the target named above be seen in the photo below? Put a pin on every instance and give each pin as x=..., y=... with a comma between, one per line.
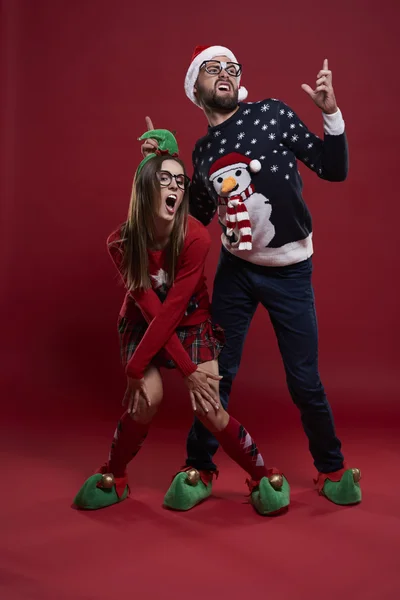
x=101, y=490
x=271, y=495
x=341, y=487
x=188, y=488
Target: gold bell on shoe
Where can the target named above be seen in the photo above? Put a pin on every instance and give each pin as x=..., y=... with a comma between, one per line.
x=276, y=481
x=107, y=481
x=193, y=477
x=356, y=475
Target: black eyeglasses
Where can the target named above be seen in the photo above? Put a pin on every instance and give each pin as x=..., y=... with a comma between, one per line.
x=214, y=67
x=165, y=178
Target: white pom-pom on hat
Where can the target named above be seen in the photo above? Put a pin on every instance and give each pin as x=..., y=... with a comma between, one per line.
x=255, y=166
x=243, y=93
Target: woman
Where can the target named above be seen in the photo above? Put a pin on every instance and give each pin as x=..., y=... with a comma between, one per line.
x=165, y=322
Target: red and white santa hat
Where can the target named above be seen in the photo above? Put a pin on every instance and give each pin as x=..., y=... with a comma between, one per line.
x=200, y=54
x=233, y=160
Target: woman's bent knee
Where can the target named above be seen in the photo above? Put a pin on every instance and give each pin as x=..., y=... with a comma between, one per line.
x=144, y=414
x=215, y=421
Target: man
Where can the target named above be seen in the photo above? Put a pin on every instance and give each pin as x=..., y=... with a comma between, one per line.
x=246, y=166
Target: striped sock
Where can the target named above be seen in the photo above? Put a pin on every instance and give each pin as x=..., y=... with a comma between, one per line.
x=241, y=447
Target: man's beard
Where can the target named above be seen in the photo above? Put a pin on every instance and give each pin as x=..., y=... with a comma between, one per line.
x=210, y=99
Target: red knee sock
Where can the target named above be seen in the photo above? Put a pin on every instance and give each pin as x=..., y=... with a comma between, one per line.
x=128, y=439
x=240, y=446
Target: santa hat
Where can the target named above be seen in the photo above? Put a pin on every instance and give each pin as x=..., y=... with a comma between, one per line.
x=200, y=54
x=233, y=160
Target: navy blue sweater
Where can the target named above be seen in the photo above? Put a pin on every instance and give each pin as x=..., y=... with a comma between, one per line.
x=280, y=222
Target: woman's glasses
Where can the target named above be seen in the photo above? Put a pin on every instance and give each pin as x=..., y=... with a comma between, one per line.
x=165, y=178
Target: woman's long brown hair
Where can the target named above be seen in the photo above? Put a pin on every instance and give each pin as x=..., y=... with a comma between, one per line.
x=137, y=234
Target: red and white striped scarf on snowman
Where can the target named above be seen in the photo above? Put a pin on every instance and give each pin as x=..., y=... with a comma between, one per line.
x=238, y=218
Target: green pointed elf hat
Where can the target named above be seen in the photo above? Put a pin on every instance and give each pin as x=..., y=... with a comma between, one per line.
x=167, y=145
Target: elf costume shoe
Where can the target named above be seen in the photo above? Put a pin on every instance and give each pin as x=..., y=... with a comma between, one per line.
x=188, y=488
x=341, y=487
x=102, y=489
x=271, y=495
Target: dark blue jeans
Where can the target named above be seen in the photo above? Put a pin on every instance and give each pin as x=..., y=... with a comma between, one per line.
x=287, y=294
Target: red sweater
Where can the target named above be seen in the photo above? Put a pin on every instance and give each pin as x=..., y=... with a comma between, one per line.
x=165, y=308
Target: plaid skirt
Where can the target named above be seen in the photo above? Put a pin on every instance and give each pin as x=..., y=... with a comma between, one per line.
x=202, y=342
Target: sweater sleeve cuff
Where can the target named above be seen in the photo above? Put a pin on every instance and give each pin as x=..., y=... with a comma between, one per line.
x=187, y=367
x=132, y=372
x=333, y=124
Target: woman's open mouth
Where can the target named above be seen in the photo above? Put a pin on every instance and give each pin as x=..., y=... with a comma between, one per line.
x=170, y=203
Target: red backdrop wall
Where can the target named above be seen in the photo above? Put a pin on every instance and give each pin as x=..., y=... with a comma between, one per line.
x=77, y=79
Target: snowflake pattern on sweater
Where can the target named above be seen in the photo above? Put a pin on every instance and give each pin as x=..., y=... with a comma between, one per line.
x=270, y=132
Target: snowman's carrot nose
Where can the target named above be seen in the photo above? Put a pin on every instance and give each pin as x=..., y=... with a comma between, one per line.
x=228, y=184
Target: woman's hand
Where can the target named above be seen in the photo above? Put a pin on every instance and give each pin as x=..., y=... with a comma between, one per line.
x=135, y=389
x=201, y=391
x=149, y=145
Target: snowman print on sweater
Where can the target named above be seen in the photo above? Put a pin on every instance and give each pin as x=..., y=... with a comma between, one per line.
x=244, y=213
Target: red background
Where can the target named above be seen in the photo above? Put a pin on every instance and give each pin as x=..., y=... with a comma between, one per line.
x=77, y=79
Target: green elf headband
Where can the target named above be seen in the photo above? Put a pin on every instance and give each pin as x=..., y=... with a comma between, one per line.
x=167, y=145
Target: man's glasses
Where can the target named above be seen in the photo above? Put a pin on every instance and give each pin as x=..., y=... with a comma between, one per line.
x=165, y=178
x=214, y=67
